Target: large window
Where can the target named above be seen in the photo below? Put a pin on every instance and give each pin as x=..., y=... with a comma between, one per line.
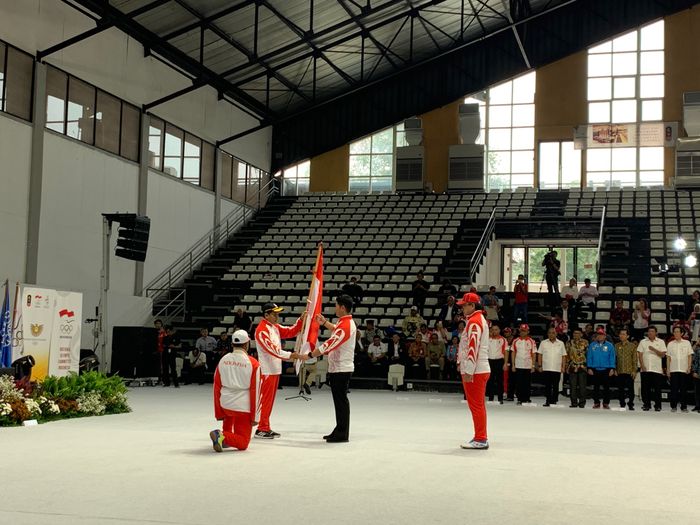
x=509, y=122
x=508, y=132
x=372, y=162
x=626, y=90
x=559, y=165
x=16, y=81
x=81, y=111
x=241, y=181
x=295, y=179
x=180, y=154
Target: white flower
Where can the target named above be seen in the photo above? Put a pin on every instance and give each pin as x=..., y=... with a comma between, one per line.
x=32, y=406
x=91, y=403
x=5, y=409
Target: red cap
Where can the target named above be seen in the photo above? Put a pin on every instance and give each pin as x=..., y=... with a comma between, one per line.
x=524, y=326
x=469, y=298
x=600, y=331
x=507, y=330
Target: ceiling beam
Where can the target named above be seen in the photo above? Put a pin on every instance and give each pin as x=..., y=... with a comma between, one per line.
x=152, y=42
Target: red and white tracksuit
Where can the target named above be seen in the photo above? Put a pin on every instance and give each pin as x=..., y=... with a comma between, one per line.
x=268, y=338
x=340, y=346
x=237, y=397
x=473, y=359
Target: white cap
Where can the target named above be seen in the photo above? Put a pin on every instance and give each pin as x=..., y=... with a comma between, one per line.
x=240, y=337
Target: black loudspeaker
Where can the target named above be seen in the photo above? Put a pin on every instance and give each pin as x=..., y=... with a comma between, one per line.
x=135, y=352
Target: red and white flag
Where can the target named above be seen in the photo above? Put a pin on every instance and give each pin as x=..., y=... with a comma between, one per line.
x=309, y=335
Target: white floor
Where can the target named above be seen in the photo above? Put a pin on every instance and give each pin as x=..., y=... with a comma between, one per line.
x=402, y=465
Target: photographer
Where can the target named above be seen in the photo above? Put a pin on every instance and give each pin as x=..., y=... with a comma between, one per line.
x=551, y=273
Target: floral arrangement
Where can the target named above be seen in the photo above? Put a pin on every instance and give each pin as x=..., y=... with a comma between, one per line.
x=89, y=394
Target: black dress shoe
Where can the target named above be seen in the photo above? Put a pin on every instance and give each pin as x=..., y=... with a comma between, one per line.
x=335, y=439
x=307, y=389
x=327, y=437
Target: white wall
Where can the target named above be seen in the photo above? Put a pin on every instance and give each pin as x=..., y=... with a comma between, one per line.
x=115, y=62
x=180, y=214
x=15, y=148
x=79, y=184
x=228, y=206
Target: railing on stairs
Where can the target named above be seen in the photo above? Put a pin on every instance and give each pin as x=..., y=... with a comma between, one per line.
x=490, y=228
x=174, y=276
x=600, y=243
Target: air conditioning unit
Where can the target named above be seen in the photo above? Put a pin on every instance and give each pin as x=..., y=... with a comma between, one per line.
x=413, y=131
x=466, y=169
x=409, y=168
x=688, y=149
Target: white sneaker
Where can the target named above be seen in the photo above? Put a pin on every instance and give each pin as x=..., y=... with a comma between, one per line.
x=474, y=444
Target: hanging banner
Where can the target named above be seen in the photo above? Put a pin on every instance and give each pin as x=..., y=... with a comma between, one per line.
x=645, y=134
x=37, y=327
x=64, y=355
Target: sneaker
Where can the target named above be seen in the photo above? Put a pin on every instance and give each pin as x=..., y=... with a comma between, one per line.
x=646, y=409
x=596, y=405
x=307, y=389
x=630, y=408
x=696, y=409
x=546, y=405
x=657, y=409
x=217, y=440
x=500, y=402
x=685, y=410
x=275, y=434
x=519, y=403
x=573, y=406
x=606, y=407
x=475, y=445
x=264, y=434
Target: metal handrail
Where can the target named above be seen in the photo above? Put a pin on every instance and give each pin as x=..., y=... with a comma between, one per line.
x=174, y=308
x=483, y=243
x=491, y=227
x=205, y=247
x=600, y=242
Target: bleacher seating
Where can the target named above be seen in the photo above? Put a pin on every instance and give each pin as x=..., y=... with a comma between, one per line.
x=385, y=238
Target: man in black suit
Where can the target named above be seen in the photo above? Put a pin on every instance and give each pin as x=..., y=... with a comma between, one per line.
x=396, y=352
x=448, y=313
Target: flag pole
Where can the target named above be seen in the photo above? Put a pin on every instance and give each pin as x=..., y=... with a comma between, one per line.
x=298, y=344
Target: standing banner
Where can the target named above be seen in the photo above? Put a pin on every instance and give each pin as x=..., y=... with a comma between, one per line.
x=37, y=327
x=17, y=343
x=64, y=354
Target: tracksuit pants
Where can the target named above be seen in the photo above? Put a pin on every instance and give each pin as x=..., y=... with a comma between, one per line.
x=494, y=387
x=523, y=378
x=237, y=429
x=268, y=391
x=340, y=381
x=476, y=393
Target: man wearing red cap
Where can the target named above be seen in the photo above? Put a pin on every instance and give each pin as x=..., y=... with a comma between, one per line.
x=522, y=352
x=473, y=364
x=268, y=338
x=600, y=363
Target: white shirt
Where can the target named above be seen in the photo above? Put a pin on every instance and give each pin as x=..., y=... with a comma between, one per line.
x=651, y=361
x=198, y=360
x=497, y=347
x=679, y=351
x=552, y=352
x=569, y=290
x=524, y=350
x=340, y=346
x=378, y=350
x=588, y=294
x=206, y=344
x=639, y=321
